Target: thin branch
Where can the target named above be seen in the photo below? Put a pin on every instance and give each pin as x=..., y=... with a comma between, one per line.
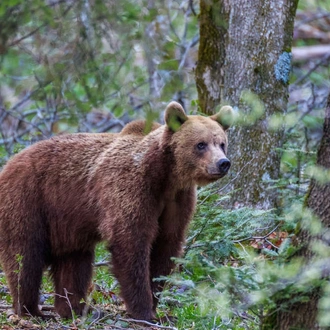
x=273, y=245
x=191, y=5
x=102, y=263
x=257, y=237
x=313, y=18
x=69, y=304
x=172, y=28
x=304, y=53
x=323, y=60
x=48, y=308
x=112, y=326
x=155, y=325
x=52, y=4
x=17, y=41
x=5, y=307
x=26, y=98
x=309, y=110
x=193, y=42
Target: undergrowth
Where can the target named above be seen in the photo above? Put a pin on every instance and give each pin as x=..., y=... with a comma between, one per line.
x=225, y=256
x=236, y=262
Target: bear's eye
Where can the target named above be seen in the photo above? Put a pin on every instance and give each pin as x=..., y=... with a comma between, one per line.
x=201, y=146
x=222, y=146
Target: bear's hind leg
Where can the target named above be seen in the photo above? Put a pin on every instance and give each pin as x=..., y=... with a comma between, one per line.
x=24, y=273
x=72, y=274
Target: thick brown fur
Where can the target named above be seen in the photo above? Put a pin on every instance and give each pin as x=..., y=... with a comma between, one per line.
x=137, y=192
x=139, y=127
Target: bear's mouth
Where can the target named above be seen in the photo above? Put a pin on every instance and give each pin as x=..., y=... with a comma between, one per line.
x=217, y=174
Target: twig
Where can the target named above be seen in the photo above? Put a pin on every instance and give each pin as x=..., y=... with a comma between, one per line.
x=69, y=303
x=14, y=138
x=323, y=60
x=52, y=4
x=5, y=306
x=257, y=237
x=48, y=308
x=17, y=105
x=24, y=99
x=309, y=110
x=269, y=242
x=191, y=5
x=188, y=247
x=304, y=53
x=15, y=42
x=313, y=18
x=243, y=248
x=97, y=319
x=147, y=323
x=193, y=42
x=31, y=316
x=102, y=263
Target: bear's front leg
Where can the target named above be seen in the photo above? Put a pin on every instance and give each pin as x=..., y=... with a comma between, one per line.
x=171, y=236
x=130, y=264
x=161, y=263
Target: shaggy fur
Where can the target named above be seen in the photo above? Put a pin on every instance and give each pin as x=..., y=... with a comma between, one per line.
x=137, y=192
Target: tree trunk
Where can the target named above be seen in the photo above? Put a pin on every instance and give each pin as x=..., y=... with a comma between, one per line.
x=246, y=46
x=303, y=315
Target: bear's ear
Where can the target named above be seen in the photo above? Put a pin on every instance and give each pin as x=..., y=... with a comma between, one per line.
x=175, y=116
x=225, y=117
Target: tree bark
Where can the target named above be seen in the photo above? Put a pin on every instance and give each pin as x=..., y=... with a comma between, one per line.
x=246, y=46
x=303, y=315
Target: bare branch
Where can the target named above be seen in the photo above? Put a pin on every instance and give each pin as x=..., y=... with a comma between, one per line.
x=308, y=52
x=15, y=42
x=322, y=61
x=192, y=43
x=155, y=325
x=257, y=237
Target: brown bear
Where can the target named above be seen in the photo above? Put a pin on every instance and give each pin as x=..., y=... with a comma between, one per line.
x=136, y=191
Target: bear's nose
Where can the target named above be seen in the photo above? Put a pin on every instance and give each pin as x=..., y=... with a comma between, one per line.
x=223, y=165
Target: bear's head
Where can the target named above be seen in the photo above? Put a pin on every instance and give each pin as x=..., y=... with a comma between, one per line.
x=199, y=144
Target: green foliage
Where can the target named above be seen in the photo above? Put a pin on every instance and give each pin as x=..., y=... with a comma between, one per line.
x=65, y=61
x=61, y=62
x=313, y=4
x=239, y=262
x=219, y=270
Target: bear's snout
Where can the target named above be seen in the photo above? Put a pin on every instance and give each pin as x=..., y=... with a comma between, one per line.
x=223, y=165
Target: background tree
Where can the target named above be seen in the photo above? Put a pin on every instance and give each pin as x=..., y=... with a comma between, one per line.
x=245, y=47
x=301, y=311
